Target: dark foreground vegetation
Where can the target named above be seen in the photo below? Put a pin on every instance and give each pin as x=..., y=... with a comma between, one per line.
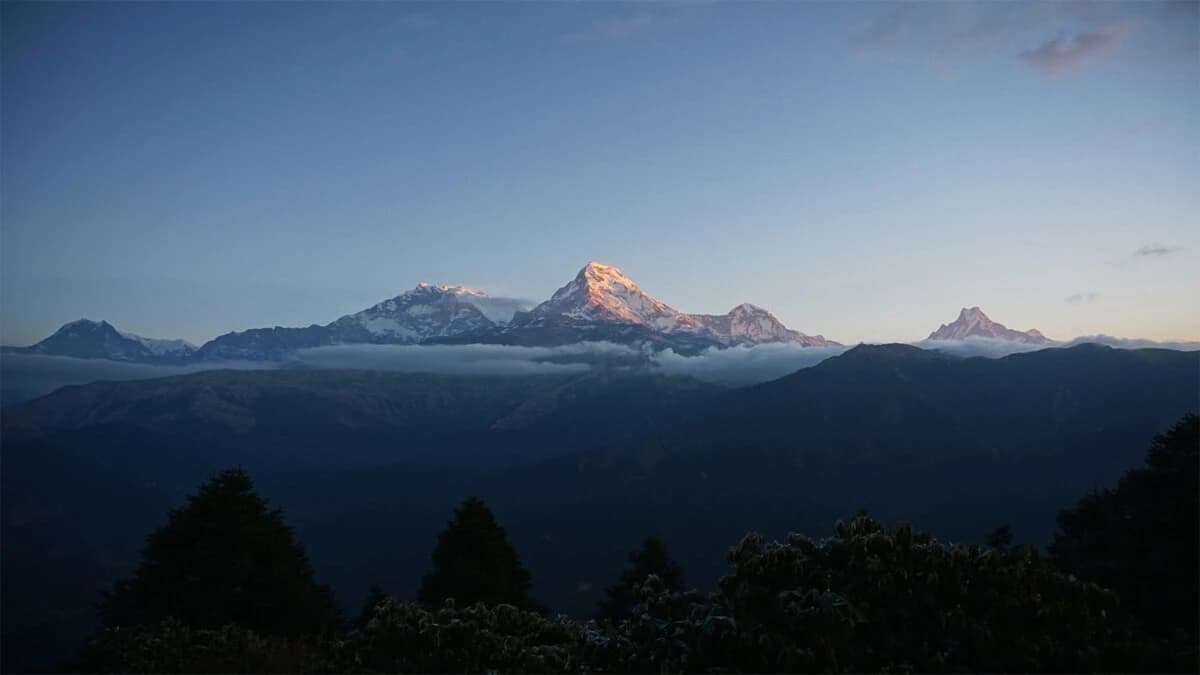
x=223, y=587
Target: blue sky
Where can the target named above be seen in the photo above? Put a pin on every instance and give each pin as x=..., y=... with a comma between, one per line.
x=863, y=170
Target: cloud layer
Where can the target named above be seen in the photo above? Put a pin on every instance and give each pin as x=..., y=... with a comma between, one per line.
x=26, y=376
x=464, y=359
x=745, y=364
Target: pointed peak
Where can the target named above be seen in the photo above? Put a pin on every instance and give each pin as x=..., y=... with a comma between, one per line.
x=973, y=322
x=426, y=287
x=599, y=275
x=749, y=308
x=596, y=270
x=86, y=323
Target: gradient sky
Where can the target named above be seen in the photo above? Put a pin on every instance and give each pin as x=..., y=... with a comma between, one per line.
x=863, y=170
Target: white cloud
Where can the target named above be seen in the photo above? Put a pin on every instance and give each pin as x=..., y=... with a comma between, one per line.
x=1155, y=250
x=745, y=364
x=465, y=359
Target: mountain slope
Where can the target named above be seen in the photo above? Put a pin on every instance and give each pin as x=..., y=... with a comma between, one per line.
x=750, y=324
x=602, y=294
x=972, y=322
x=423, y=314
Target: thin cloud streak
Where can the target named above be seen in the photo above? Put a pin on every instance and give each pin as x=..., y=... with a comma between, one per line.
x=885, y=32
x=1081, y=298
x=1066, y=54
x=1155, y=250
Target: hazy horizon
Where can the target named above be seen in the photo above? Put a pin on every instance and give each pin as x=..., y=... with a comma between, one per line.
x=861, y=170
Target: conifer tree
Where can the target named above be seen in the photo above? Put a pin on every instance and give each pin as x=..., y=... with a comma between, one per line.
x=651, y=558
x=375, y=595
x=224, y=558
x=1142, y=540
x=474, y=562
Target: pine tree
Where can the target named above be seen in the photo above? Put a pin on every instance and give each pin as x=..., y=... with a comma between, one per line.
x=224, y=558
x=375, y=595
x=474, y=562
x=1142, y=540
x=651, y=558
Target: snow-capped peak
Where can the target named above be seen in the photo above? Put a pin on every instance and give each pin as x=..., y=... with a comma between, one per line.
x=497, y=310
x=160, y=346
x=426, y=287
x=972, y=321
x=602, y=293
x=84, y=338
x=427, y=311
x=751, y=324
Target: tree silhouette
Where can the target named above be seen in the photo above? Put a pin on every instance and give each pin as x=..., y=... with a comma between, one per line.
x=1000, y=538
x=1142, y=540
x=651, y=558
x=474, y=562
x=375, y=595
x=224, y=558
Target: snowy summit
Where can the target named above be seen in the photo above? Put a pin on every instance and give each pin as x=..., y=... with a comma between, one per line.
x=972, y=322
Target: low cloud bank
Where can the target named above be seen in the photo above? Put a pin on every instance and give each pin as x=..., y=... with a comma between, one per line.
x=27, y=376
x=745, y=364
x=464, y=359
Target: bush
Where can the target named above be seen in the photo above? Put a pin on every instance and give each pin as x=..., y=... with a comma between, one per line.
x=407, y=638
x=171, y=647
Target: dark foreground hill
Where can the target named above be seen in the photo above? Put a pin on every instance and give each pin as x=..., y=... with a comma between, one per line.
x=579, y=468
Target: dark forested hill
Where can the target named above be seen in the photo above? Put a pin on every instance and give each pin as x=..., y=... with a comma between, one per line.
x=579, y=468
x=961, y=446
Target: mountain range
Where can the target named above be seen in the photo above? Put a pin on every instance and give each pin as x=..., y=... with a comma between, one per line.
x=599, y=304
